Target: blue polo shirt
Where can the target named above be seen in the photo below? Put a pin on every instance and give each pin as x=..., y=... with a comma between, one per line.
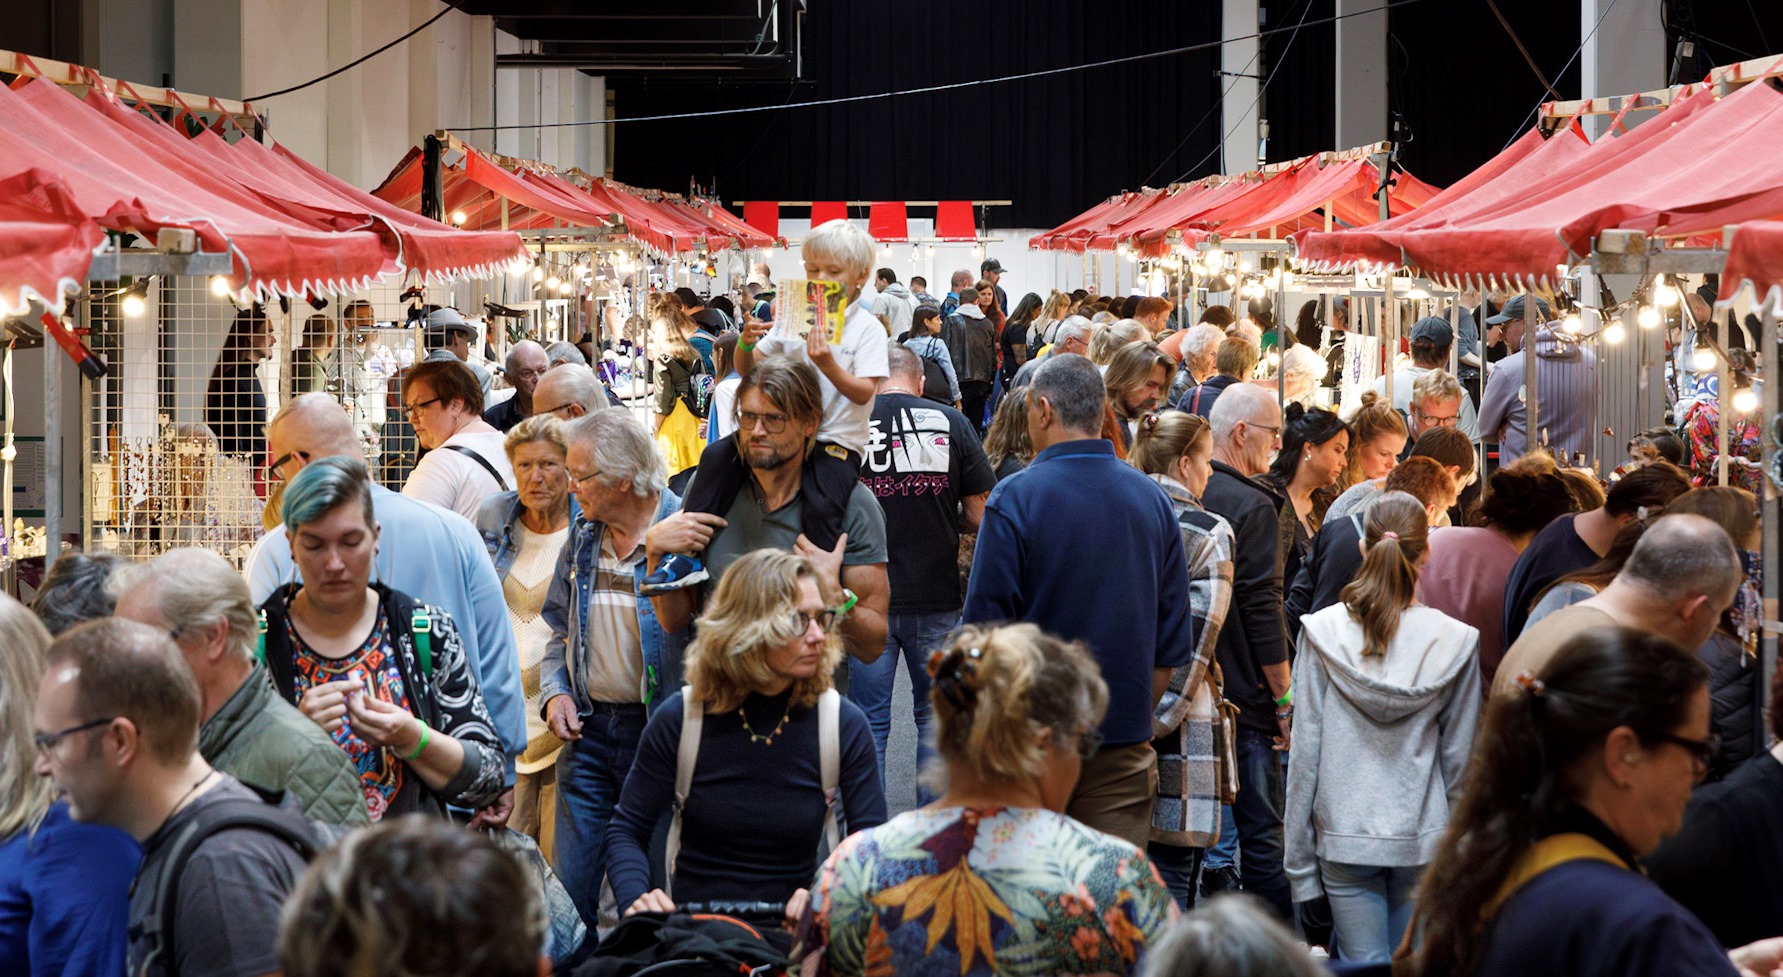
x=1087, y=547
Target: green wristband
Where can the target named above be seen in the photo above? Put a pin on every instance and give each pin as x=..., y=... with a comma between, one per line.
x=426, y=734
x=746, y=347
x=1286, y=700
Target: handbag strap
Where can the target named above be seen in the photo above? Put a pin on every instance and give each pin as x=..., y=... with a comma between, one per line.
x=693, y=718
x=829, y=710
x=479, y=459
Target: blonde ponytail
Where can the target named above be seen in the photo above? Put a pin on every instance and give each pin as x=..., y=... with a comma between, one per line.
x=1396, y=534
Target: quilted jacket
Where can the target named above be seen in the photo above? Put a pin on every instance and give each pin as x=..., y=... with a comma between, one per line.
x=260, y=739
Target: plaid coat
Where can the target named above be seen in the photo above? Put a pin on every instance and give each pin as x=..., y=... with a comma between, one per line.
x=1187, y=811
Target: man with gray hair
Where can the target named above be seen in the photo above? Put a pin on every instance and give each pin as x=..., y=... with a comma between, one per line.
x=569, y=391
x=1252, y=648
x=608, y=659
x=1029, y=567
x=1682, y=574
x=560, y=352
x=247, y=730
x=1071, y=336
x=525, y=365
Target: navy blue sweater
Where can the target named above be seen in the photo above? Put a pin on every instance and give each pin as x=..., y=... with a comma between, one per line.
x=754, y=814
x=1087, y=547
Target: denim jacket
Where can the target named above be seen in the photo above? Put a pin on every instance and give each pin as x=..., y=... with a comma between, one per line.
x=495, y=523
x=560, y=673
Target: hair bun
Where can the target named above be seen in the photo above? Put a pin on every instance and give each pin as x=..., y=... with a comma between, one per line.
x=1369, y=398
x=955, y=671
x=1294, y=412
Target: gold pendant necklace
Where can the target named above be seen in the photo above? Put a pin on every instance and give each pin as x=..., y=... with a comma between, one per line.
x=767, y=739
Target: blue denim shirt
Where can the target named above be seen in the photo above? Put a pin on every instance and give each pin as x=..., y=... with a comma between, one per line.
x=495, y=522
x=560, y=673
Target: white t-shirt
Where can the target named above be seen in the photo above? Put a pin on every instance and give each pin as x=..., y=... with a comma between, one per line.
x=720, y=417
x=861, y=352
x=451, y=481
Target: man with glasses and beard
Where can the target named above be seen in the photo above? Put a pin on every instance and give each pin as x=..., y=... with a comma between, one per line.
x=779, y=407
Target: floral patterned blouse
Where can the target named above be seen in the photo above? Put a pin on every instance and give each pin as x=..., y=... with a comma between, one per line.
x=967, y=891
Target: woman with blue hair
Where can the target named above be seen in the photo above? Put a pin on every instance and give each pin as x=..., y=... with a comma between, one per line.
x=384, y=674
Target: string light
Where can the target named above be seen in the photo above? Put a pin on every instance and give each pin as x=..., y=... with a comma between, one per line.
x=1648, y=317
x=1704, y=361
x=1614, y=333
x=1215, y=257
x=459, y=217
x=1746, y=401
x=1571, y=324
x=553, y=282
x=219, y=286
x=134, y=304
x=538, y=273
x=1664, y=295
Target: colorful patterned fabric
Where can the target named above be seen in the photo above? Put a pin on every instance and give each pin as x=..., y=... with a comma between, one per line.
x=1702, y=422
x=978, y=892
x=380, y=772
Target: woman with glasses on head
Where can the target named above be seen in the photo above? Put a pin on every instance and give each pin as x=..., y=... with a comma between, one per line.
x=64, y=885
x=993, y=877
x=382, y=673
x=755, y=808
x=1579, y=773
x=525, y=530
x=1315, y=450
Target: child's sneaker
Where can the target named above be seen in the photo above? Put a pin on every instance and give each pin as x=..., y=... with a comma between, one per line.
x=675, y=572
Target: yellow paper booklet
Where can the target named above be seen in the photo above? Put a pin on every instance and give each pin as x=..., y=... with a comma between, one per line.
x=805, y=304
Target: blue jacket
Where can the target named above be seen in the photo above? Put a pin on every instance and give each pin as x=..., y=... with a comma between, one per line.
x=1078, y=503
x=495, y=522
x=560, y=673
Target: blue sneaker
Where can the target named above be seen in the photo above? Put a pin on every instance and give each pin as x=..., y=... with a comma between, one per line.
x=674, y=573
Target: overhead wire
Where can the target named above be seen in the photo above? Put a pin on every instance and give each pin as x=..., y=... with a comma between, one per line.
x=1563, y=69
x=448, y=8
x=927, y=89
x=1261, y=89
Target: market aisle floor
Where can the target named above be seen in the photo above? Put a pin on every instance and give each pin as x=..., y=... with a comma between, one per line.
x=900, y=751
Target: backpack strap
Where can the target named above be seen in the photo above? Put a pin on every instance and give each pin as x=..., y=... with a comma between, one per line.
x=479, y=459
x=421, y=625
x=260, y=813
x=829, y=760
x=693, y=718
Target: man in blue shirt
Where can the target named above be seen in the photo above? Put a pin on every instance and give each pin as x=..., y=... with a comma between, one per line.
x=426, y=551
x=1074, y=506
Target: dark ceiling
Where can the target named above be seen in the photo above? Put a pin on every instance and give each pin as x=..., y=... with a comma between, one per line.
x=704, y=41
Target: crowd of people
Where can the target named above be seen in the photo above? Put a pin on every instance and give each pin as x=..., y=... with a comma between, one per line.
x=587, y=687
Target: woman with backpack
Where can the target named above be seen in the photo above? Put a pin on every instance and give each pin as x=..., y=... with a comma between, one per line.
x=925, y=323
x=1385, y=700
x=381, y=672
x=751, y=754
x=682, y=387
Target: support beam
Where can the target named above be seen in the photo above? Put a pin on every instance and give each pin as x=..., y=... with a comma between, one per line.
x=1241, y=69
x=1624, y=51
x=1361, y=82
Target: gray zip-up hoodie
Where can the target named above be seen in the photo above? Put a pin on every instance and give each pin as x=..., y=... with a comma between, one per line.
x=1380, y=743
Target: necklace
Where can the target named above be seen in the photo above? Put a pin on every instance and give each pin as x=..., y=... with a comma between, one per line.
x=767, y=739
x=183, y=797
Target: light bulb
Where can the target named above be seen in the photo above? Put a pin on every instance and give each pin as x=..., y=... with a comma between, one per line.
x=1571, y=324
x=1287, y=279
x=1245, y=263
x=553, y=282
x=1665, y=295
x=1614, y=333
x=219, y=286
x=1648, y=317
x=538, y=274
x=133, y=305
x=1215, y=256
x=1704, y=361
x=1199, y=269
x=1746, y=401
x=459, y=217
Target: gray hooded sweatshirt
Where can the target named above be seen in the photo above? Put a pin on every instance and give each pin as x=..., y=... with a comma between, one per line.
x=1380, y=742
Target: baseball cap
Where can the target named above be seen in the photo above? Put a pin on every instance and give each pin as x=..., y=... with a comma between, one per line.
x=1432, y=331
x=448, y=320
x=990, y=264
x=1514, y=310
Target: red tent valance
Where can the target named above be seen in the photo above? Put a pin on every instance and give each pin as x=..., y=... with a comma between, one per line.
x=954, y=221
x=889, y=221
x=763, y=215
x=824, y=211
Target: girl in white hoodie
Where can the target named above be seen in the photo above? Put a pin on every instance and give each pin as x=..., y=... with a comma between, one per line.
x=1387, y=696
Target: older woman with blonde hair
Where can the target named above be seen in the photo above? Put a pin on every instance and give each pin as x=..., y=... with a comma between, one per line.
x=993, y=877
x=64, y=885
x=750, y=796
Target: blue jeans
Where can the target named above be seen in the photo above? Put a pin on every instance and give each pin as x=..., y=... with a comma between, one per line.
x=909, y=638
x=1177, y=865
x=1370, y=908
x=1225, y=851
x=1258, y=811
x=590, y=773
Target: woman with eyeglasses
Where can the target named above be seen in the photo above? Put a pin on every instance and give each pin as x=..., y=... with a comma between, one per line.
x=525, y=530
x=64, y=885
x=755, y=806
x=1579, y=774
x=993, y=877
x=381, y=672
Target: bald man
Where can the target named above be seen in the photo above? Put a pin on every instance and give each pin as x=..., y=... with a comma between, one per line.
x=427, y=552
x=570, y=391
x=525, y=365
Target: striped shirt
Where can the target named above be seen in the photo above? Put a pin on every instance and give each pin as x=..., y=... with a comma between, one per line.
x=615, y=658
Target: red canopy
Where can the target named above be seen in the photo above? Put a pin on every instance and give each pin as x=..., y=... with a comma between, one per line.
x=46, y=241
x=1755, y=258
x=1703, y=163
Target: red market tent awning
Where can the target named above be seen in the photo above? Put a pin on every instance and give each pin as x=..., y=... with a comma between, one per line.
x=1070, y=235
x=1702, y=163
x=46, y=241
x=1755, y=258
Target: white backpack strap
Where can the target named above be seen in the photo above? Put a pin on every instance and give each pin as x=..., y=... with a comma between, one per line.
x=693, y=717
x=829, y=759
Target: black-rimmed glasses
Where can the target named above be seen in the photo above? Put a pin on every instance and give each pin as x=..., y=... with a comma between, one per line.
x=274, y=468
x=774, y=423
x=1702, y=752
x=49, y=741
x=411, y=410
